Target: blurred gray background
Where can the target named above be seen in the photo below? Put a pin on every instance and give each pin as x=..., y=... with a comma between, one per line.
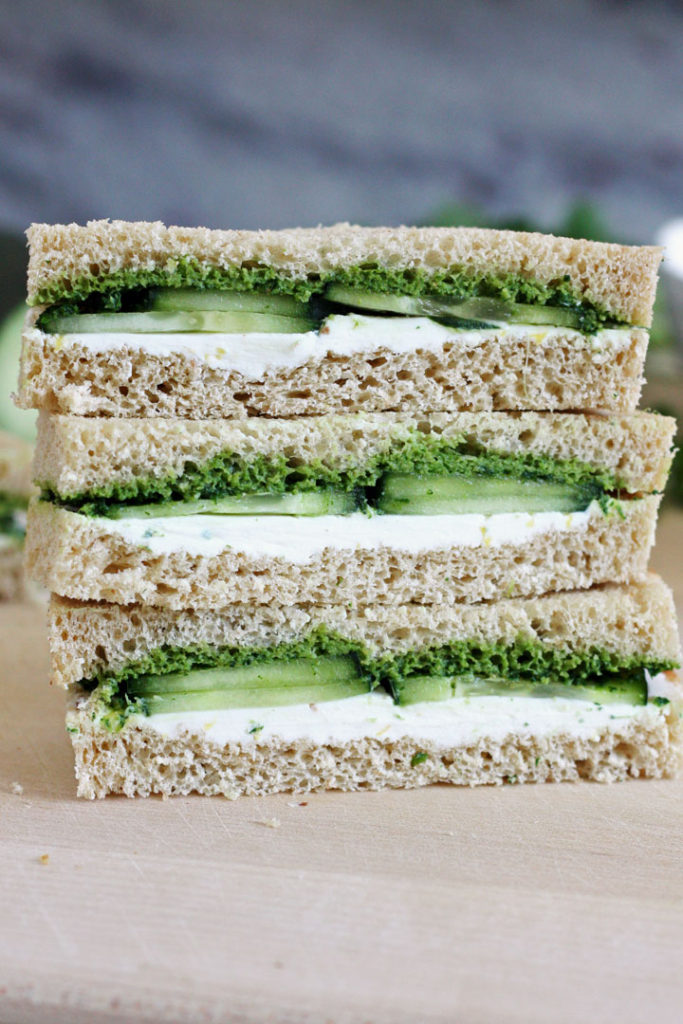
x=253, y=114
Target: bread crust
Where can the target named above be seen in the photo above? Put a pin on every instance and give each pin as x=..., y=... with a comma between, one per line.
x=637, y=619
x=619, y=278
x=503, y=371
x=75, y=454
x=76, y=556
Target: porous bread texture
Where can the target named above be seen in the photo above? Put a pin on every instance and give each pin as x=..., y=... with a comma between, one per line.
x=562, y=371
x=640, y=619
x=75, y=454
x=619, y=278
x=15, y=466
x=81, y=557
x=12, y=579
x=138, y=761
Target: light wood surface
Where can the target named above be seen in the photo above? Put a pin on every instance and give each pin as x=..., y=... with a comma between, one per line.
x=517, y=904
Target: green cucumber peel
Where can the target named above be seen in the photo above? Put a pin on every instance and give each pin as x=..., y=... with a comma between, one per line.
x=415, y=453
x=127, y=289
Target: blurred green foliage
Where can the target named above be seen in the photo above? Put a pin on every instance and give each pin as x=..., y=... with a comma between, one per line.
x=582, y=220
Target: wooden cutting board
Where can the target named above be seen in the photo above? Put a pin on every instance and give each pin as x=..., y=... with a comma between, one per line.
x=516, y=904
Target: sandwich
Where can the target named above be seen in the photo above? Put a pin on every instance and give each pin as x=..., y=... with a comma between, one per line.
x=141, y=320
x=348, y=507
x=15, y=490
x=364, y=508
x=265, y=699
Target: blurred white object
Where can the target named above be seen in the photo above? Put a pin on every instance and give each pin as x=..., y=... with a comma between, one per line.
x=670, y=236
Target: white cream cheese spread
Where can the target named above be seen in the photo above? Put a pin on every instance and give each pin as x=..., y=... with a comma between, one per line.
x=300, y=539
x=253, y=355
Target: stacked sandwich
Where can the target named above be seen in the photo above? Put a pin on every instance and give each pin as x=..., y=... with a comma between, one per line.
x=15, y=490
x=318, y=509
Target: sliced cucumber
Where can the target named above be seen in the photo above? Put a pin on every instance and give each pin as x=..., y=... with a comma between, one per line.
x=256, y=697
x=272, y=684
x=403, y=494
x=408, y=305
x=480, y=308
x=188, y=299
x=180, y=322
x=305, y=503
x=417, y=689
x=422, y=689
x=298, y=672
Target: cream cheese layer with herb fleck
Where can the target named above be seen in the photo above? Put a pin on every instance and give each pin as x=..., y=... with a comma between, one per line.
x=299, y=540
x=255, y=354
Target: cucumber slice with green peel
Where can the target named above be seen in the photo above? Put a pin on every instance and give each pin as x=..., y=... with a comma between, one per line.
x=418, y=689
x=180, y=322
x=619, y=691
x=478, y=309
x=304, y=503
x=422, y=689
x=297, y=673
x=407, y=305
x=253, y=697
x=192, y=299
x=269, y=684
x=403, y=494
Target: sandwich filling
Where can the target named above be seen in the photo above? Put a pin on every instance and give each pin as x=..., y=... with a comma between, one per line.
x=467, y=297
x=280, y=506
x=458, y=721
x=325, y=667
